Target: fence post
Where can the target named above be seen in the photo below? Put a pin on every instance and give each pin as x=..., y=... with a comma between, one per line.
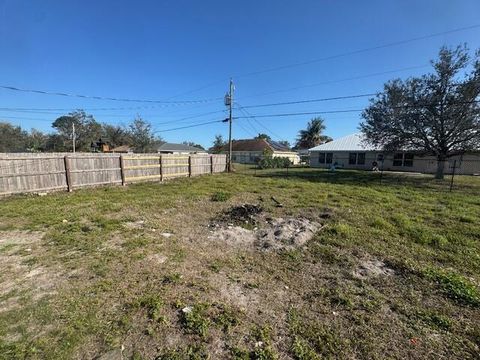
x=189, y=165
x=453, y=174
x=211, y=164
x=122, y=170
x=161, y=168
x=66, y=160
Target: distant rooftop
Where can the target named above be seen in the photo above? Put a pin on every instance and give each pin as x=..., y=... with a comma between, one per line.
x=178, y=147
x=352, y=142
x=256, y=145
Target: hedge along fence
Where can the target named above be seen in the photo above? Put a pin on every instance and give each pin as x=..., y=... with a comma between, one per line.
x=25, y=172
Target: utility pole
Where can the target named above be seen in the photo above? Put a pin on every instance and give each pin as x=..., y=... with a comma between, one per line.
x=229, y=103
x=73, y=136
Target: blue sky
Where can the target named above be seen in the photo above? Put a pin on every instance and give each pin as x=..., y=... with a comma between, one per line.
x=163, y=50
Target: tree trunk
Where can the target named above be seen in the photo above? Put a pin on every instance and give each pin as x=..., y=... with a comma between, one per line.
x=440, y=167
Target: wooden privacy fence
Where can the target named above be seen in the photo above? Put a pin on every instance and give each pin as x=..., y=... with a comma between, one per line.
x=20, y=173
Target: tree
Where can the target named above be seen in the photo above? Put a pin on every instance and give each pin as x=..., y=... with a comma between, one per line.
x=312, y=136
x=87, y=129
x=116, y=135
x=218, y=144
x=436, y=114
x=12, y=138
x=263, y=136
x=36, y=141
x=285, y=143
x=191, y=143
x=143, y=139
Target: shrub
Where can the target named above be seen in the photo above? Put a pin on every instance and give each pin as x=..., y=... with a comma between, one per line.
x=274, y=163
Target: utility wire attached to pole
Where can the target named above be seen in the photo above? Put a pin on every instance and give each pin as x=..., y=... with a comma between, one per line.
x=229, y=103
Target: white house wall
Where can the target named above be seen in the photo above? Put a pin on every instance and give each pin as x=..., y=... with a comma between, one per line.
x=467, y=164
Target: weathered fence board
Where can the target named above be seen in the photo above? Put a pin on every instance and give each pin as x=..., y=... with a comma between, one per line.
x=27, y=172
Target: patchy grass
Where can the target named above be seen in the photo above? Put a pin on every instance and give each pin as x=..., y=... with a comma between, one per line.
x=221, y=196
x=93, y=271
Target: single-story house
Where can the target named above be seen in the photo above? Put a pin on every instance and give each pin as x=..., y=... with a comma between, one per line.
x=170, y=148
x=351, y=152
x=250, y=151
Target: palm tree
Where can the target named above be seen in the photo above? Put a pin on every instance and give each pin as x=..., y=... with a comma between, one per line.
x=312, y=136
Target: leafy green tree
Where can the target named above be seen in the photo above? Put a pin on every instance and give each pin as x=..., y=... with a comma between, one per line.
x=116, y=135
x=87, y=130
x=263, y=136
x=191, y=143
x=218, y=144
x=285, y=143
x=313, y=135
x=36, y=141
x=436, y=114
x=143, y=138
x=12, y=138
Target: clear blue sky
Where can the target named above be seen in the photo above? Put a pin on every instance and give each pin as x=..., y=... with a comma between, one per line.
x=165, y=49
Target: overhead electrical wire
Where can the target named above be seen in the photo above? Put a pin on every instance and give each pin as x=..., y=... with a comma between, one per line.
x=250, y=116
x=183, y=102
x=190, y=126
x=311, y=100
x=351, y=110
x=360, y=51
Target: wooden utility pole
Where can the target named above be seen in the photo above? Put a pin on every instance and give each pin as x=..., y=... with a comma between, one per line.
x=230, y=118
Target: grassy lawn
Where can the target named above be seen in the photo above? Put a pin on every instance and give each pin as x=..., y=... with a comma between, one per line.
x=392, y=272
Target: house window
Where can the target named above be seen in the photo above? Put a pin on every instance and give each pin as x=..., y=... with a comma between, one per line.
x=398, y=159
x=403, y=159
x=408, y=160
x=321, y=158
x=361, y=159
x=356, y=158
x=380, y=157
x=329, y=158
x=352, y=158
x=325, y=158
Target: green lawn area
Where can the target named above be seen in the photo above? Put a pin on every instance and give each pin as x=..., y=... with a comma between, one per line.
x=393, y=270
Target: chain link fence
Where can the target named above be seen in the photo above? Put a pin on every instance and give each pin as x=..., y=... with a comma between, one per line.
x=455, y=174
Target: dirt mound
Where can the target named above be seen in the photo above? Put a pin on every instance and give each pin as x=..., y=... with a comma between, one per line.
x=286, y=233
x=246, y=225
x=240, y=215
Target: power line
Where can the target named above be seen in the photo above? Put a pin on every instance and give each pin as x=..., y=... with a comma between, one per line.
x=189, y=126
x=353, y=110
x=311, y=100
x=43, y=92
x=359, y=77
x=249, y=115
x=359, y=51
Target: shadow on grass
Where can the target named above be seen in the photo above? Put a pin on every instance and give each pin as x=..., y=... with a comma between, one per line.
x=368, y=178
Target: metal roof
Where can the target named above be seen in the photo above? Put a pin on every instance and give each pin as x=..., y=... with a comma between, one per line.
x=352, y=142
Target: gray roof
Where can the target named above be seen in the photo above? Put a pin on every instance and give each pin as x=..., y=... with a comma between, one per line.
x=179, y=147
x=352, y=142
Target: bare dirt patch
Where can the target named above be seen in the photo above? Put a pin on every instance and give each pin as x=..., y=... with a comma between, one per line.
x=372, y=268
x=247, y=225
x=20, y=273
